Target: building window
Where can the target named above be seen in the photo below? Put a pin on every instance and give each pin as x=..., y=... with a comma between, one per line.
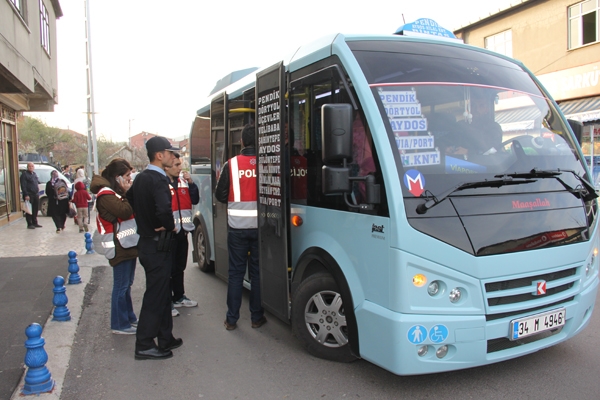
x=18, y=5
x=44, y=27
x=583, y=23
x=500, y=43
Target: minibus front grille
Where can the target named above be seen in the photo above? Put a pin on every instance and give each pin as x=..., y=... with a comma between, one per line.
x=522, y=290
x=492, y=317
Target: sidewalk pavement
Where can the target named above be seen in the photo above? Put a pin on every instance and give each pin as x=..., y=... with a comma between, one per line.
x=30, y=259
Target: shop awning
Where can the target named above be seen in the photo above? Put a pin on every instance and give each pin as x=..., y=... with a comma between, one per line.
x=518, y=119
x=582, y=110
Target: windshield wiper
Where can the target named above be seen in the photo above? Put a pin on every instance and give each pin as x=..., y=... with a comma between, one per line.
x=587, y=192
x=435, y=200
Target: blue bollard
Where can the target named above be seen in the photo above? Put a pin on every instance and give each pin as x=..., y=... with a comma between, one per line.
x=74, y=277
x=60, y=300
x=38, y=378
x=89, y=243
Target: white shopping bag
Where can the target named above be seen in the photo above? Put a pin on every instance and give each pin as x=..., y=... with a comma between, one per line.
x=27, y=207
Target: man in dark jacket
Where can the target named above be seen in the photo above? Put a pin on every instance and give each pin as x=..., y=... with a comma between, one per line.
x=30, y=188
x=151, y=200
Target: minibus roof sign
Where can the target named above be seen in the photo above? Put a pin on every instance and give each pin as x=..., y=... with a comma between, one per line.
x=425, y=27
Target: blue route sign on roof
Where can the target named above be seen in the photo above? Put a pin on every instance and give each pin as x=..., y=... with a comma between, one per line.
x=424, y=26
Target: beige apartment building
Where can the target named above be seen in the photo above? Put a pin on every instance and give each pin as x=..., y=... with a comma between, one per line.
x=28, y=82
x=559, y=41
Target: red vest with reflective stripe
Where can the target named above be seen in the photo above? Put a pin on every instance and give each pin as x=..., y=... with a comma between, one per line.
x=106, y=228
x=241, y=206
x=183, y=208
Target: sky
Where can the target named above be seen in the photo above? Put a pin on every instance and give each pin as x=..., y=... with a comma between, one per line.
x=154, y=63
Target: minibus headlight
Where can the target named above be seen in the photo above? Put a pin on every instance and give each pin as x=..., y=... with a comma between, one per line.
x=433, y=288
x=455, y=295
x=422, y=351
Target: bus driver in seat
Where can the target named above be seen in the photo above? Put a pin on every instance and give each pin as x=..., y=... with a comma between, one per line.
x=480, y=133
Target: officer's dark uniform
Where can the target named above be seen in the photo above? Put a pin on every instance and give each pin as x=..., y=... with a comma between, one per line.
x=151, y=200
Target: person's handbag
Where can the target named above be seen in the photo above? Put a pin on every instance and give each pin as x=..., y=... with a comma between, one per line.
x=72, y=210
x=27, y=207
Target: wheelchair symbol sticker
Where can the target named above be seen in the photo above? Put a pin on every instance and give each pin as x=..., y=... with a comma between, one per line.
x=438, y=334
x=417, y=334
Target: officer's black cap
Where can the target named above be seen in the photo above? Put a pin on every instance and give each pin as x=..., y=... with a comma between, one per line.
x=158, y=144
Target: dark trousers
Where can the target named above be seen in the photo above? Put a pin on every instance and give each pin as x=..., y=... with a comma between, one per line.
x=35, y=205
x=59, y=220
x=180, y=256
x=242, y=245
x=155, y=320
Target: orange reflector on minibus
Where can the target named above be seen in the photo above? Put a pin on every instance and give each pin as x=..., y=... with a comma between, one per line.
x=297, y=220
x=419, y=280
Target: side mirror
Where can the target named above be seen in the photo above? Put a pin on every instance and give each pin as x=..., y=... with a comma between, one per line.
x=336, y=132
x=577, y=128
x=336, y=180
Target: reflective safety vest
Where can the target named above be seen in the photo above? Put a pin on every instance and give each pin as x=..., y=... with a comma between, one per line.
x=126, y=230
x=181, y=203
x=241, y=207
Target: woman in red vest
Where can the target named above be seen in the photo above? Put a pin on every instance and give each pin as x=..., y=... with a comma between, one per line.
x=113, y=208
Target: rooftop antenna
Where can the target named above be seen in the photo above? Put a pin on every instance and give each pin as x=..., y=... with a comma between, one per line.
x=403, y=20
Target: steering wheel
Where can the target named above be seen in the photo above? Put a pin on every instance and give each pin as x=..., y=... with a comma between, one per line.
x=537, y=143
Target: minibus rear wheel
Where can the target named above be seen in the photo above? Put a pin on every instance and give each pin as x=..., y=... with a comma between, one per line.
x=319, y=318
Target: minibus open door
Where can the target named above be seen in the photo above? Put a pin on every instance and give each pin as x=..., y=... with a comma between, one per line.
x=272, y=186
x=219, y=146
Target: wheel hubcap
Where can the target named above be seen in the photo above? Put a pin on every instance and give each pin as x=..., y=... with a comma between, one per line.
x=325, y=319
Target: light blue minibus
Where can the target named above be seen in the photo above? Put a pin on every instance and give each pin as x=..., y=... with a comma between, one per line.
x=423, y=204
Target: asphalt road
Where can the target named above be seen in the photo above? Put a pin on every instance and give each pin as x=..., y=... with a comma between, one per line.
x=269, y=363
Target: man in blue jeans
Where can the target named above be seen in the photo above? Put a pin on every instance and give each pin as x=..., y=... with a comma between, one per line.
x=237, y=188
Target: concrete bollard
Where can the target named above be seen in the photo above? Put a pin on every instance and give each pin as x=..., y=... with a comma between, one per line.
x=60, y=300
x=89, y=243
x=38, y=378
x=74, y=277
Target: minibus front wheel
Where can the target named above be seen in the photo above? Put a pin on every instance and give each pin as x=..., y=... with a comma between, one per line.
x=319, y=318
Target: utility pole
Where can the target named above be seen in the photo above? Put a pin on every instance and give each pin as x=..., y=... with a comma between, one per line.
x=91, y=114
x=131, y=119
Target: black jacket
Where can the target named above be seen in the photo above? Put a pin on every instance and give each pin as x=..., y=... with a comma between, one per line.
x=222, y=190
x=29, y=184
x=150, y=198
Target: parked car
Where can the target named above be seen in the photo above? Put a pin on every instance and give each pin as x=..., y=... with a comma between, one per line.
x=43, y=172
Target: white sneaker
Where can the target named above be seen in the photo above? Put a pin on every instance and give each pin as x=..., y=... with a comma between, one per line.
x=128, y=331
x=185, y=302
x=174, y=312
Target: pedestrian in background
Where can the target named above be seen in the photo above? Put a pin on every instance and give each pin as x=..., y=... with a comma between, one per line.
x=80, y=199
x=58, y=200
x=113, y=208
x=184, y=193
x=30, y=188
x=150, y=198
x=237, y=187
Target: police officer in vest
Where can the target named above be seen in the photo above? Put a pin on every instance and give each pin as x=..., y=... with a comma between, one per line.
x=151, y=200
x=184, y=194
x=237, y=187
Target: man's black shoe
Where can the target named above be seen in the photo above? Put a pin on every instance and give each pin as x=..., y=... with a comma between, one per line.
x=153, y=354
x=31, y=227
x=37, y=225
x=173, y=345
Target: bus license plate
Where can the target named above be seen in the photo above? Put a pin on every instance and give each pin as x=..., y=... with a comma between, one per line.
x=533, y=324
